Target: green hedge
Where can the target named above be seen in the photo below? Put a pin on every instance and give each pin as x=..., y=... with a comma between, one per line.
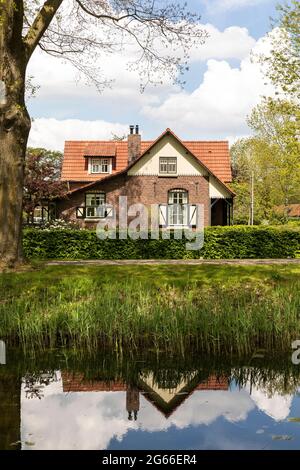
x=220, y=243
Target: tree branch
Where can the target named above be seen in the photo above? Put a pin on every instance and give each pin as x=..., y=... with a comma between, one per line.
x=104, y=16
x=40, y=25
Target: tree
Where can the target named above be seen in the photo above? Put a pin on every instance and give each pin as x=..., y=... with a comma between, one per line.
x=277, y=122
x=283, y=61
x=78, y=30
x=41, y=182
x=252, y=158
x=272, y=155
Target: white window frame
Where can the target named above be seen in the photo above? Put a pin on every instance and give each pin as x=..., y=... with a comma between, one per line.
x=93, y=203
x=178, y=208
x=165, y=163
x=100, y=165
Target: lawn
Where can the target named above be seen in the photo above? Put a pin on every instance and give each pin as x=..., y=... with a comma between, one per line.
x=210, y=308
x=182, y=275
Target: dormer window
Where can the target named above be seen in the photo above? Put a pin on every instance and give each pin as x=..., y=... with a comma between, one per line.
x=167, y=165
x=100, y=165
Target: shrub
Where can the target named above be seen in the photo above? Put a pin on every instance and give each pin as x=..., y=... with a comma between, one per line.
x=237, y=242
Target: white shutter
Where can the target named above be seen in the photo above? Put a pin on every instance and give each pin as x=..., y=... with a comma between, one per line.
x=80, y=212
x=192, y=215
x=163, y=215
x=109, y=212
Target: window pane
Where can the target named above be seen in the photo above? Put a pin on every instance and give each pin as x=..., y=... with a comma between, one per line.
x=100, y=165
x=93, y=201
x=168, y=165
x=178, y=208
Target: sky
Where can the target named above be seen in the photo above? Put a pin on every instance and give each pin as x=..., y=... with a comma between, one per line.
x=222, y=86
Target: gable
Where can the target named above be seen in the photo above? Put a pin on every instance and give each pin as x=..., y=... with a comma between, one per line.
x=168, y=146
x=218, y=190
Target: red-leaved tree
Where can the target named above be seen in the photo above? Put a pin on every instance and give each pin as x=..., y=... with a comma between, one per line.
x=42, y=183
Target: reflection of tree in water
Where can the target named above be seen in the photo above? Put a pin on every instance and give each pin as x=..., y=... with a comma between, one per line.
x=35, y=383
x=282, y=381
x=10, y=388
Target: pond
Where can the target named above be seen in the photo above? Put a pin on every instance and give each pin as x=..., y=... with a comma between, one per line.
x=68, y=401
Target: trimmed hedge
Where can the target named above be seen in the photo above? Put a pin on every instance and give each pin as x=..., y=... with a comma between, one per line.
x=237, y=242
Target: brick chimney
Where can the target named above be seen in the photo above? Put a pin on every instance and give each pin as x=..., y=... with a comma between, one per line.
x=134, y=143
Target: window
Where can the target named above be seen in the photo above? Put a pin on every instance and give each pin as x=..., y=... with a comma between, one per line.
x=93, y=203
x=168, y=165
x=178, y=207
x=100, y=165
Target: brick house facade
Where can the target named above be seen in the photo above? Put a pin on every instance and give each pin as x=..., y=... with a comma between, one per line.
x=173, y=174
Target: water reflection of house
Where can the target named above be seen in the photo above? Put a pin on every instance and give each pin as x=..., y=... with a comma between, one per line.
x=164, y=398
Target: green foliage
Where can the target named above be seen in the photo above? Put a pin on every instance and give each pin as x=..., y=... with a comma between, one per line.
x=238, y=242
x=283, y=62
x=272, y=156
x=92, y=313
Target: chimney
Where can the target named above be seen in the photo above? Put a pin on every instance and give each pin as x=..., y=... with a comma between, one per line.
x=134, y=143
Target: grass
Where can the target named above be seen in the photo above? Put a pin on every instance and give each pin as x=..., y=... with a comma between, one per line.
x=216, y=309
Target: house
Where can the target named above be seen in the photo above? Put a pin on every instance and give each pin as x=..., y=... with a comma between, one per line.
x=172, y=173
x=292, y=211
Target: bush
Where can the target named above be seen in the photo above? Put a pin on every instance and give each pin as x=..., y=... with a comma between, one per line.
x=238, y=242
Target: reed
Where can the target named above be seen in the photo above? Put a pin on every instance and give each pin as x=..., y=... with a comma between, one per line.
x=132, y=315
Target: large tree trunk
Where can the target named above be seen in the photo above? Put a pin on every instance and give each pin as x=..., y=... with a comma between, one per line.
x=14, y=131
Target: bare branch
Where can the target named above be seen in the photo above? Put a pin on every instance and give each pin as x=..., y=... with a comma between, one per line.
x=157, y=37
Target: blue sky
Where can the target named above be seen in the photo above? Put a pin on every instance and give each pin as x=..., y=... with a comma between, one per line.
x=222, y=86
x=253, y=15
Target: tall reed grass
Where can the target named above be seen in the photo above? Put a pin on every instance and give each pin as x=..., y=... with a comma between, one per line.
x=129, y=316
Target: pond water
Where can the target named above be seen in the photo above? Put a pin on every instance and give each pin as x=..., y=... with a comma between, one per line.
x=139, y=403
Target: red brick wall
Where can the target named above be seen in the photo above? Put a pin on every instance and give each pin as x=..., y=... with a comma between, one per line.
x=140, y=189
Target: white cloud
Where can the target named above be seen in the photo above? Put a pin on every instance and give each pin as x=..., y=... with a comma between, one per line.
x=232, y=43
x=225, y=5
x=221, y=102
x=58, y=80
x=276, y=406
x=215, y=109
x=52, y=133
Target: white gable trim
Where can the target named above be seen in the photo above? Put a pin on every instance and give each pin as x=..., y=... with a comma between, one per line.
x=168, y=146
x=217, y=190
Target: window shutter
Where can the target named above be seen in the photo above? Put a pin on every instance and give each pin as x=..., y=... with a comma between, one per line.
x=163, y=215
x=109, y=213
x=192, y=215
x=80, y=212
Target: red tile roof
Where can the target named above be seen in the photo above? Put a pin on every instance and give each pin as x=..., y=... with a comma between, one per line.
x=293, y=210
x=213, y=154
x=77, y=383
x=100, y=149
